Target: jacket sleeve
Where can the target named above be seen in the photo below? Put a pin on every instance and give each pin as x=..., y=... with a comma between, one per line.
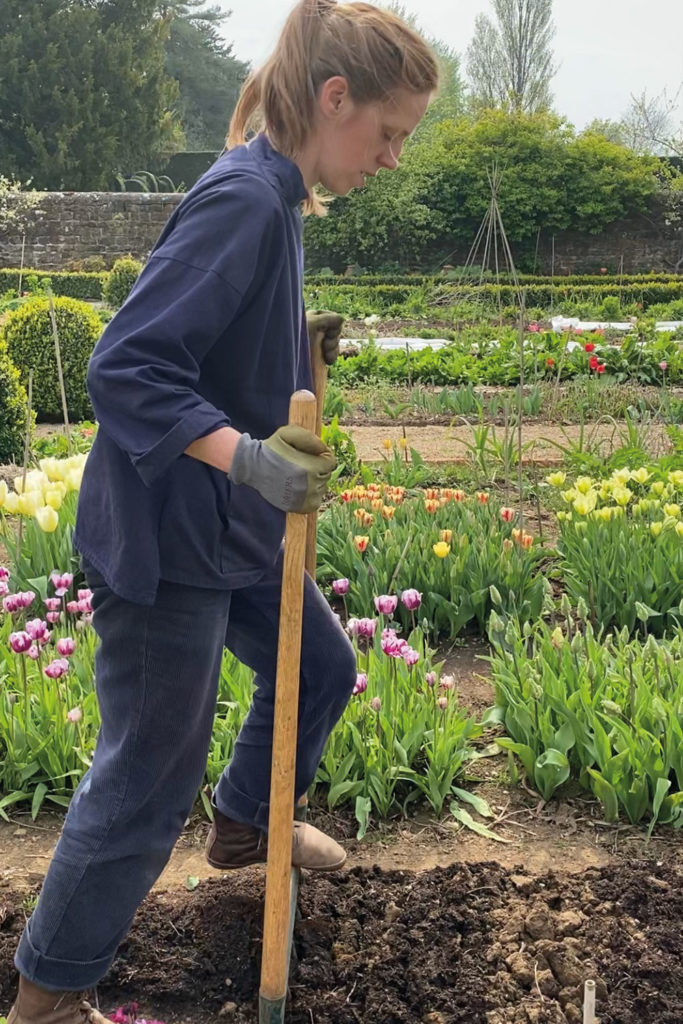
x=144, y=372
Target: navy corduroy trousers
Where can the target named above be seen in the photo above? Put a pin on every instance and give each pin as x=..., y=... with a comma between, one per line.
x=156, y=675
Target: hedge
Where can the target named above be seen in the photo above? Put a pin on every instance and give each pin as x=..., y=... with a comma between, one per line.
x=72, y=286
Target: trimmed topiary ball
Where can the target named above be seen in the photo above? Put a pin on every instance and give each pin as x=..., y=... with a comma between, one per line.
x=12, y=409
x=30, y=343
x=120, y=280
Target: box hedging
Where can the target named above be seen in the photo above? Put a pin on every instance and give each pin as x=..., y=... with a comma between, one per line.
x=12, y=409
x=30, y=343
x=74, y=286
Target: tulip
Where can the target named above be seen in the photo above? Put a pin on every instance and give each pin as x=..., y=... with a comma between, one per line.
x=72, y=607
x=447, y=682
x=340, y=586
x=20, y=642
x=482, y=497
x=430, y=678
x=25, y=598
x=4, y=588
x=53, y=604
x=376, y=704
x=441, y=550
x=593, y=362
x=386, y=444
x=589, y=347
x=601, y=368
x=446, y=536
x=361, y=543
x=507, y=514
x=386, y=604
x=85, y=594
x=47, y=518
x=367, y=627
x=663, y=366
x=352, y=627
x=410, y=656
x=36, y=628
x=56, y=668
x=33, y=652
x=10, y=604
x=53, y=617
x=411, y=599
x=443, y=703
x=61, y=582
x=549, y=362
x=4, y=573
x=85, y=606
x=66, y=646
x=361, y=684
x=74, y=715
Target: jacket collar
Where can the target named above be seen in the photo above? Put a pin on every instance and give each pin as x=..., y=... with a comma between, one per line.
x=282, y=172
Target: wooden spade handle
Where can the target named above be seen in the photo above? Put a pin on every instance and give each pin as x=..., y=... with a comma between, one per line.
x=319, y=369
x=274, y=964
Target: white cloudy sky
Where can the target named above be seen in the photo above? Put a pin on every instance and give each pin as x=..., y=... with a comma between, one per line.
x=606, y=49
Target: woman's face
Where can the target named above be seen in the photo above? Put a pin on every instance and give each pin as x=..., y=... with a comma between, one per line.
x=355, y=141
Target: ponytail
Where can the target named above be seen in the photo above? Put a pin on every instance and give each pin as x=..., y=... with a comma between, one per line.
x=373, y=49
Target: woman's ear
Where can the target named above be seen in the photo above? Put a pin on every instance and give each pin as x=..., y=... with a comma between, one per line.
x=334, y=96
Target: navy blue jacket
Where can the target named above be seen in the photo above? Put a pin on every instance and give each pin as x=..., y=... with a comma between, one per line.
x=212, y=334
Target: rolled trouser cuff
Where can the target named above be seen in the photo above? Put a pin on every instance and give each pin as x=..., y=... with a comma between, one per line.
x=57, y=975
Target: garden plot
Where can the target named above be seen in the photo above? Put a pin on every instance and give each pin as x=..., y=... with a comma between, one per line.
x=468, y=944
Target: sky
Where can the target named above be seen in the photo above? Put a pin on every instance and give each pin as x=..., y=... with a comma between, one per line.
x=606, y=49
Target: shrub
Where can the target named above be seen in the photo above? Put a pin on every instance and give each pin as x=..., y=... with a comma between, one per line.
x=12, y=409
x=120, y=280
x=30, y=342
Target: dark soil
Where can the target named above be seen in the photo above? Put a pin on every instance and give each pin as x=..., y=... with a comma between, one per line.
x=467, y=944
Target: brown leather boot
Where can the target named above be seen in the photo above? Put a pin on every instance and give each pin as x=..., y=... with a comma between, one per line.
x=233, y=845
x=35, y=1005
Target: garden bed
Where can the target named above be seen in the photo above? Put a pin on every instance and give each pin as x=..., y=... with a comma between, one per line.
x=472, y=943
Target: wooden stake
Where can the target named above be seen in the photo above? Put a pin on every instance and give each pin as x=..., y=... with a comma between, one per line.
x=275, y=961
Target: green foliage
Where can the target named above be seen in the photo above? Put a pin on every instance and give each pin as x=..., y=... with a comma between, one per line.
x=84, y=90
x=603, y=710
x=12, y=409
x=29, y=336
x=120, y=280
x=437, y=199
x=208, y=74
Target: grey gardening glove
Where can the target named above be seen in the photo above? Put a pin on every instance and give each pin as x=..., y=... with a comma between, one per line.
x=324, y=329
x=290, y=469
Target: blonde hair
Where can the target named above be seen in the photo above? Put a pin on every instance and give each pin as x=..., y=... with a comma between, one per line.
x=373, y=49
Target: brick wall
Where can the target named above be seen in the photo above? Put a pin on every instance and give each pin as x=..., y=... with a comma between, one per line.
x=73, y=225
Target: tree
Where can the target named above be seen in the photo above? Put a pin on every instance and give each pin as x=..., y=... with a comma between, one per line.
x=450, y=101
x=208, y=74
x=648, y=125
x=510, y=64
x=83, y=91
x=550, y=180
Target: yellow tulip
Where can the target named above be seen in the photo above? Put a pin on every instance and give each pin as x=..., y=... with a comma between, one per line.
x=386, y=444
x=673, y=510
x=641, y=476
x=35, y=481
x=441, y=550
x=622, y=495
x=403, y=442
x=12, y=503
x=584, y=504
x=675, y=477
x=73, y=477
x=29, y=501
x=656, y=528
x=53, y=497
x=658, y=488
x=570, y=495
x=583, y=484
x=557, y=637
x=3, y=492
x=621, y=476
x=679, y=528
x=556, y=479
x=47, y=519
